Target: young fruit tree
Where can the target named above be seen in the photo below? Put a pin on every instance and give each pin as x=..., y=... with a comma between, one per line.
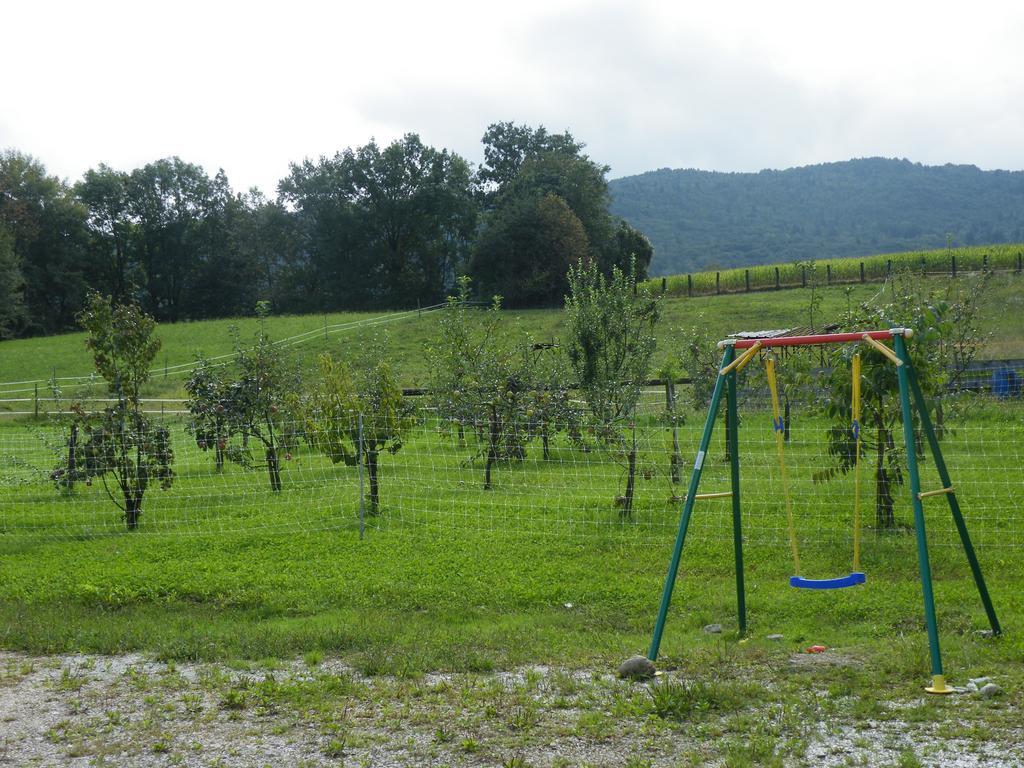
x=210, y=407
x=946, y=338
x=121, y=440
x=453, y=355
x=259, y=400
x=353, y=417
x=610, y=344
x=483, y=380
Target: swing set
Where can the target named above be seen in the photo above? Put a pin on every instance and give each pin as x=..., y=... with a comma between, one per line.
x=910, y=397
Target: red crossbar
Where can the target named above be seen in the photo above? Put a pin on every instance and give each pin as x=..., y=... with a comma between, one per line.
x=822, y=338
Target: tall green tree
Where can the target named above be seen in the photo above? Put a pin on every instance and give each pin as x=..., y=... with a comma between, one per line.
x=507, y=146
x=104, y=193
x=46, y=227
x=525, y=253
x=523, y=165
x=12, y=286
x=178, y=211
x=385, y=227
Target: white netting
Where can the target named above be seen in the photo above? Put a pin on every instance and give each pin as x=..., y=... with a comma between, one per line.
x=435, y=482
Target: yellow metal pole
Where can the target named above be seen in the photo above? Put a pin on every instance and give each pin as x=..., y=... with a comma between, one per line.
x=883, y=349
x=740, y=362
x=856, y=464
x=769, y=365
x=926, y=494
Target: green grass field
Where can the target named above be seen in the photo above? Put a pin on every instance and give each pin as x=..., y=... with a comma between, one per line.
x=451, y=576
x=28, y=360
x=1004, y=258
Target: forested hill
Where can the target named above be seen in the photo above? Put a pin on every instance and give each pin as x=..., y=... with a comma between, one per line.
x=702, y=219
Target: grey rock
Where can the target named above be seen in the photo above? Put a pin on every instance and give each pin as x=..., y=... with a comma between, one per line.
x=989, y=690
x=713, y=629
x=983, y=632
x=978, y=682
x=637, y=668
x=774, y=638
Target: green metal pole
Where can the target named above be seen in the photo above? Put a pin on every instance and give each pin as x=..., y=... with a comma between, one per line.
x=938, y=682
x=954, y=504
x=684, y=520
x=737, y=524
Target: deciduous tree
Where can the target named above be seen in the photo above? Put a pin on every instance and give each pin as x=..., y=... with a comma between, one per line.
x=610, y=344
x=122, y=440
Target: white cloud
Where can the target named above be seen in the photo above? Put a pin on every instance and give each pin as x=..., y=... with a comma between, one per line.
x=727, y=86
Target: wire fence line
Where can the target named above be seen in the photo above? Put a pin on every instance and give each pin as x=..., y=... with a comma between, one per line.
x=991, y=376
x=550, y=480
x=1003, y=260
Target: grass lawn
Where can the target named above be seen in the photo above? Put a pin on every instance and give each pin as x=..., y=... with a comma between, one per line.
x=26, y=360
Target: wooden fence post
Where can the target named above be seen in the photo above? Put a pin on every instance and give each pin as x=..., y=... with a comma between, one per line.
x=689, y=285
x=746, y=277
x=803, y=277
x=828, y=274
x=862, y=271
x=718, y=282
x=952, y=265
x=776, y=278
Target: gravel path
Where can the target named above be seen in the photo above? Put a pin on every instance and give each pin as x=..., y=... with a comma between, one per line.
x=130, y=711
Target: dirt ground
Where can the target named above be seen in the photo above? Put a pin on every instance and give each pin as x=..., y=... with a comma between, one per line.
x=131, y=711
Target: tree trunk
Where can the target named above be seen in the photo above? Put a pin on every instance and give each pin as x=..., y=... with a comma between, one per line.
x=274, y=469
x=492, y=448
x=69, y=477
x=884, y=502
x=132, y=510
x=627, y=505
x=219, y=451
x=785, y=422
x=670, y=406
x=371, y=471
x=545, y=437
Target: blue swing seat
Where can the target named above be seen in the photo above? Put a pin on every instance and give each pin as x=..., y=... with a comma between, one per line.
x=843, y=581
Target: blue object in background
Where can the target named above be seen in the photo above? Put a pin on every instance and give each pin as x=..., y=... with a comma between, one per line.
x=1005, y=383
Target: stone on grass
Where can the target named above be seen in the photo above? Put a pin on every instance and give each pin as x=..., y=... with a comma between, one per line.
x=774, y=638
x=984, y=632
x=990, y=690
x=637, y=668
x=713, y=629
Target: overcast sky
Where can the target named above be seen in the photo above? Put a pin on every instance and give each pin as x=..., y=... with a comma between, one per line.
x=249, y=87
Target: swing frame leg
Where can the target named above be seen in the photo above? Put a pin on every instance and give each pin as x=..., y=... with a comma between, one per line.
x=737, y=519
x=954, y=504
x=691, y=497
x=938, y=678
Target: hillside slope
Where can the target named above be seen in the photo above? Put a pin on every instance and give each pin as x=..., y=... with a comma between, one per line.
x=703, y=220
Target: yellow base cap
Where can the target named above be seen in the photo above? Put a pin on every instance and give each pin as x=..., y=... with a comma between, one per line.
x=939, y=685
